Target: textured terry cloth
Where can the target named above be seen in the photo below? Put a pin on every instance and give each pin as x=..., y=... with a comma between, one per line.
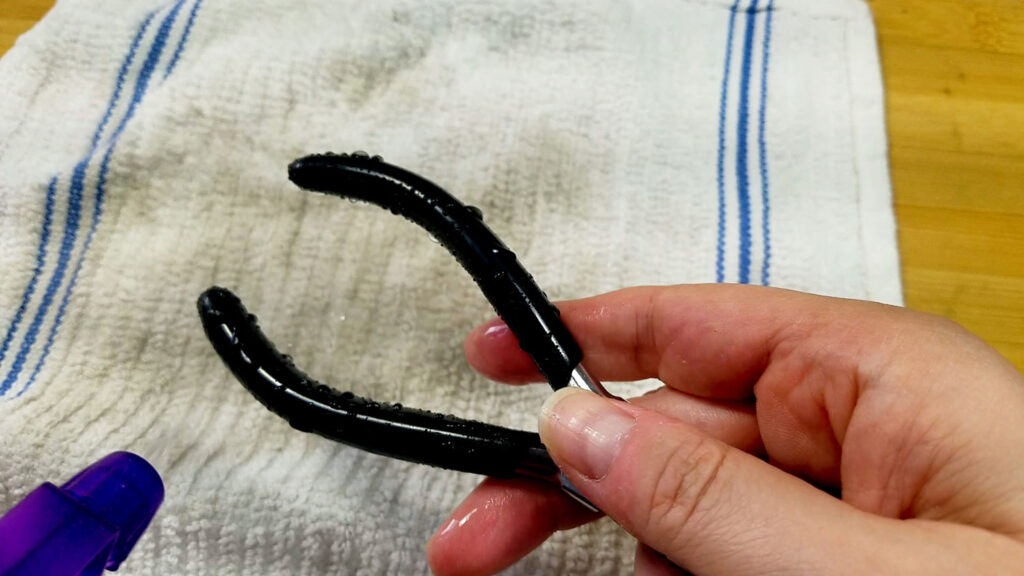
x=143, y=154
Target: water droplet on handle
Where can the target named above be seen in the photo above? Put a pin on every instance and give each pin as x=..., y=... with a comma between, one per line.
x=360, y=154
x=478, y=213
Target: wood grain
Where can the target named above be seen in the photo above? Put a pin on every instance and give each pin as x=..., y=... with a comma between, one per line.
x=17, y=16
x=954, y=76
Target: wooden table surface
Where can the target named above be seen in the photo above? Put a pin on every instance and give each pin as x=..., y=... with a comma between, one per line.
x=954, y=77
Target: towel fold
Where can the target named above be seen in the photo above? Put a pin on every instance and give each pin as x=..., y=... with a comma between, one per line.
x=143, y=155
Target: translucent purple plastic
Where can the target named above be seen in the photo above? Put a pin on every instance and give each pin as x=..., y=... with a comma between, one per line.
x=85, y=526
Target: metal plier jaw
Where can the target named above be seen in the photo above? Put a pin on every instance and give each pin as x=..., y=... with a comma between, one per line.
x=391, y=429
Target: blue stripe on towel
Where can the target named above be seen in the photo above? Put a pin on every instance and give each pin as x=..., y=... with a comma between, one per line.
x=141, y=85
x=71, y=222
x=720, y=254
x=44, y=239
x=742, y=175
x=184, y=38
x=765, y=196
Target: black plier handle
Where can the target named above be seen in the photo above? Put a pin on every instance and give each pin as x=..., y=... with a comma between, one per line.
x=389, y=429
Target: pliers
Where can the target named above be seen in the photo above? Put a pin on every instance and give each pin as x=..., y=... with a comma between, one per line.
x=391, y=429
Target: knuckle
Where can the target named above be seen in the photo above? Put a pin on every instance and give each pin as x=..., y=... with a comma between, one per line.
x=687, y=483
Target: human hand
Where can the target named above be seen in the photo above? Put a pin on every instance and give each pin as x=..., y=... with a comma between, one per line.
x=773, y=401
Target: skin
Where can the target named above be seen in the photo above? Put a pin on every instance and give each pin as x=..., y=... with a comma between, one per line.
x=794, y=434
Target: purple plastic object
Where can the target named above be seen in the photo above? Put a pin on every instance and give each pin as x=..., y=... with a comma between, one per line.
x=88, y=524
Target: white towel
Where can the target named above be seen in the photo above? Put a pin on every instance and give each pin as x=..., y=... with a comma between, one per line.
x=143, y=154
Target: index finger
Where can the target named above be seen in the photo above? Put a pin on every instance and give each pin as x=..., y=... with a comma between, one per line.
x=708, y=340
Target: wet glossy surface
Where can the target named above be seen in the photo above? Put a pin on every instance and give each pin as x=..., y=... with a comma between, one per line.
x=389, y=429
x=459, y=228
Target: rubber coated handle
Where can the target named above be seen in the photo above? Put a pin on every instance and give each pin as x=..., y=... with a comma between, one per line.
x=459, y=228
x=388, y=429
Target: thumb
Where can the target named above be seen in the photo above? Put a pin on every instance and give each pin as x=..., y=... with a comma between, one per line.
x=709, y=508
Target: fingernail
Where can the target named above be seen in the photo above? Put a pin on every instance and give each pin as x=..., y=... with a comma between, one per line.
x=583, y=430
x=495, y=329
x=457, y=522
